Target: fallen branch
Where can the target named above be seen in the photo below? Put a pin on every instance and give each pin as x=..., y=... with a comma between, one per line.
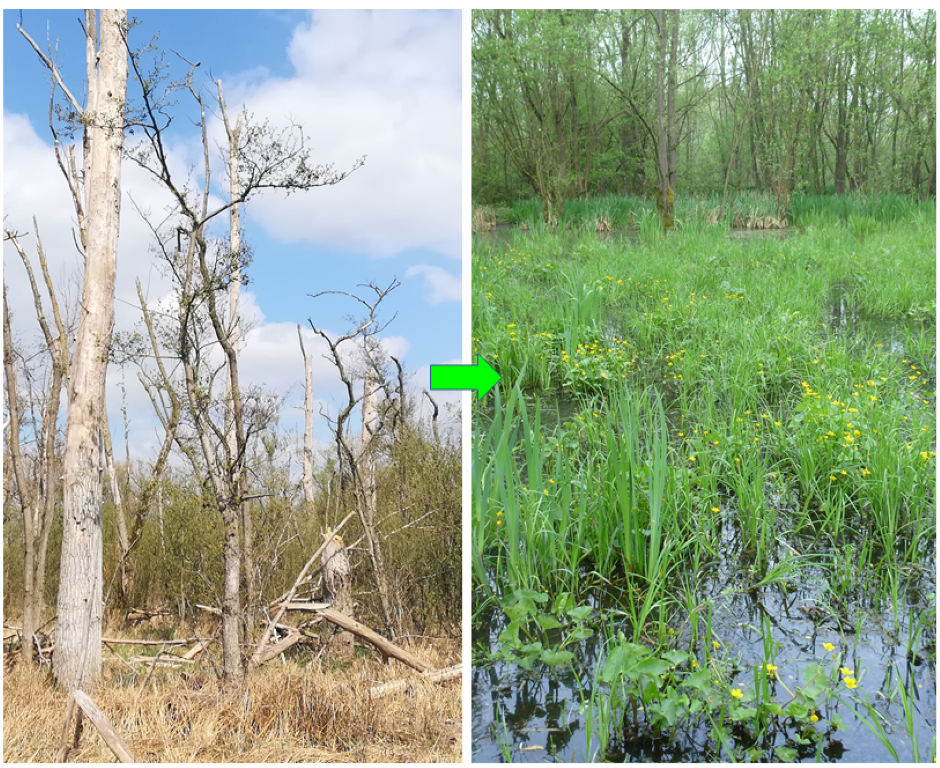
x=278, y=648
x=259, y=650
x=182, y=641
x=434, y=676
x=111, y=738
x=166, y=660
x=361, y=630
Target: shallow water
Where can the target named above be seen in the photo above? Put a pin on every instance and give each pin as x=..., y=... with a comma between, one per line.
x=535, y=715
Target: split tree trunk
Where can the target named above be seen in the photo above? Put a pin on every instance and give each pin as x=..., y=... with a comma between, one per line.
x=335, y=564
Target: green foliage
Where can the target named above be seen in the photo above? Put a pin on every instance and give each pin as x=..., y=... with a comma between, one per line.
x=778, y=102
x=797, y=416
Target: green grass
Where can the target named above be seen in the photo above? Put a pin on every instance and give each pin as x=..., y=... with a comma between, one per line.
x=700, y=374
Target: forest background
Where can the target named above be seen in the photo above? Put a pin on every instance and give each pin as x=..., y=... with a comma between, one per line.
x=572, y=105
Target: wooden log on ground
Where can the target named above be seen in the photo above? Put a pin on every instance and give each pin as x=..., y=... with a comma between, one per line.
x=262, y=644
x=193, y=652
x=434, y=676
x=361, y=630
x=111, y=738
x=278, y=648
x=165, y=660
x=182, y=641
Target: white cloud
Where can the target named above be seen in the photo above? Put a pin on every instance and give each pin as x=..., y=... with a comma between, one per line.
x=385, y=85
x=441, y=284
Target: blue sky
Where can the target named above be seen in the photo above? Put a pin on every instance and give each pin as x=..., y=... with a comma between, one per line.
x=386, y=85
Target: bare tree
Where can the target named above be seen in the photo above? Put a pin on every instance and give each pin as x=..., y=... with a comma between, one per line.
x=307, y=479
x=361, y=463
x=97, y=198
x=36, y=490
x=219, y=428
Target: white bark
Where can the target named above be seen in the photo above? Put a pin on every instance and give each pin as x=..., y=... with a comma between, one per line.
x=77, y=661
x=307, y=478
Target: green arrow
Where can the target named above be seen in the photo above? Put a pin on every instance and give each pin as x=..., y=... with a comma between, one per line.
x=480, y=377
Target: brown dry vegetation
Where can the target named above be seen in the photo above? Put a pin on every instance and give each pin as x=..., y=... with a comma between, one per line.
x=285, y=713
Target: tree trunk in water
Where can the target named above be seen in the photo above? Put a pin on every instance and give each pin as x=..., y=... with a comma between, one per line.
x=77, y=660
x=665, y=193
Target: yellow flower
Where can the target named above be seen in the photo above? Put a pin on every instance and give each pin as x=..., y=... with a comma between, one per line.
x=499, y=522
x=829, y=646
x=814, y=717
x=771, y=667
x=851, y=682
x=847, y=671
x=736, y=692
x=716, y=644
x=715, y=509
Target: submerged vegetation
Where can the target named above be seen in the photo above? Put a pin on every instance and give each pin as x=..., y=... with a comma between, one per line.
x=703, y=492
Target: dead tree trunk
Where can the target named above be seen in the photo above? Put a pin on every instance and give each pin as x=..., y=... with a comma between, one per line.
x=360, y=461
x=307, y=478
x=371, y=425
x=37, y=497
x=77, y=660
x=336, y=580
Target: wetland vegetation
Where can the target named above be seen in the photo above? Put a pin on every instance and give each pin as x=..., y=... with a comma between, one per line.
x=703, y=492
x=703, y=500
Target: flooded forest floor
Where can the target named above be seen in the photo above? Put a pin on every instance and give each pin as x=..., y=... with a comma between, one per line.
x=704, y=521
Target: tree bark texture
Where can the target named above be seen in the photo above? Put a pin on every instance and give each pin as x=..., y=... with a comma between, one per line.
x=366, y=470
x=335, y=564
x=78, y=631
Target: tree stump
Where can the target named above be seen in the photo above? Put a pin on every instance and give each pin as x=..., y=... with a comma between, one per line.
x=336, y=580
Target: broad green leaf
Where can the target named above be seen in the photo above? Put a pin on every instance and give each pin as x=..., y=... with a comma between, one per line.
x=580, y=613
x=547, y=621
x=676, y=657
x=700, y=680
x=652, y=667
x=554, y=658
x=530, y=594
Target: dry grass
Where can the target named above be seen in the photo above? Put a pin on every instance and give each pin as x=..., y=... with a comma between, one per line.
x=286, y=713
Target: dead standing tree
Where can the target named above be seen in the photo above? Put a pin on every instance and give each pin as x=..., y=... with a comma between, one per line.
x=361, y=463
x=203, y=270
x=36, y=477
x=97, y=197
